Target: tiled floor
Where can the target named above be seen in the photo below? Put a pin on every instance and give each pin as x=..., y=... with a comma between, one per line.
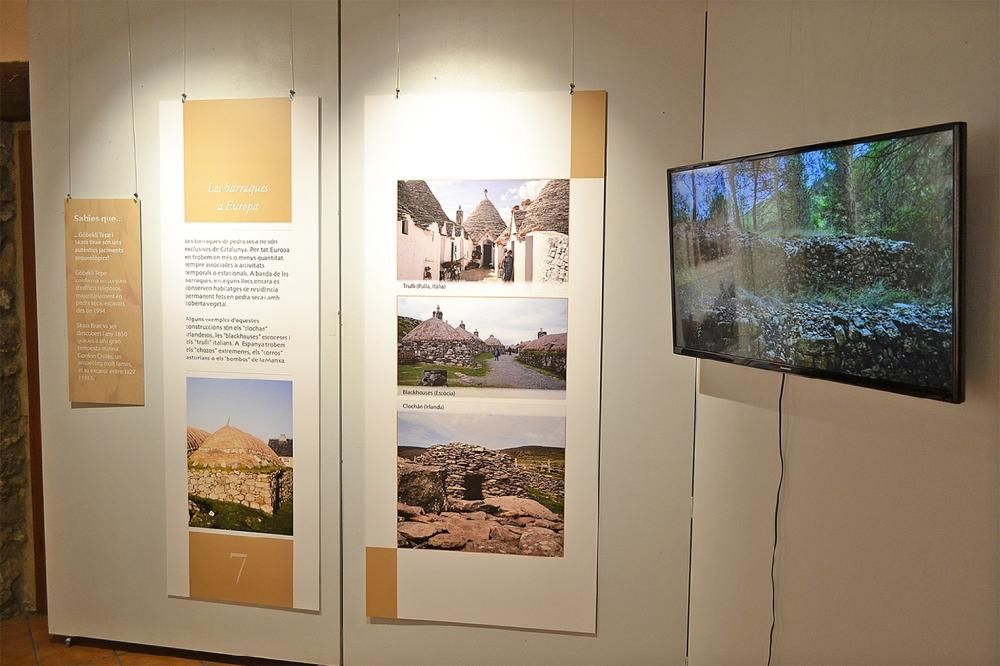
x=25, y=641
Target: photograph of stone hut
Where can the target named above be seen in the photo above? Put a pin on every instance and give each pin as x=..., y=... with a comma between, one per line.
x=518, y=230
x=486, y=483
x=433, y=352
x=547, y=351
x=236, y=480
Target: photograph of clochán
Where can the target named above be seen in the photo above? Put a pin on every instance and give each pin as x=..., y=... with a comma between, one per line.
x=239, y=454
x=836, y=259
x=485, y=483
x=517, y=343
x=518, y=230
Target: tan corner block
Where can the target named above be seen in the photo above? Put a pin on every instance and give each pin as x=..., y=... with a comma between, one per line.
x=380, y=582
x=589, y=133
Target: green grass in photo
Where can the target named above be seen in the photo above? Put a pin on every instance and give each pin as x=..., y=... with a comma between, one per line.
x=222, y=515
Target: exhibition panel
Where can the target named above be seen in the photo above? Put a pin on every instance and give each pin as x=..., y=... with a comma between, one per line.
x=240, y=222
x=470, y=366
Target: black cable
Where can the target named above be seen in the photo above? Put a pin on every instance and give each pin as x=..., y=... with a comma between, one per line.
x=694, y=442
x=777, y=506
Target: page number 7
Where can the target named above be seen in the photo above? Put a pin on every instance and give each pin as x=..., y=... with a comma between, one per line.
x=242, y=556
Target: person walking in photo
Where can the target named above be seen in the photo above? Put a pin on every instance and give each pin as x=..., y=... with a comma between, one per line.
x=508, y=267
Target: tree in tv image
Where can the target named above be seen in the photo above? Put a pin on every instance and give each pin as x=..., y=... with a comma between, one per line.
x=482, y=483
x=837, y=259
x=517, y=231
x=239, y=454
x=522, y=344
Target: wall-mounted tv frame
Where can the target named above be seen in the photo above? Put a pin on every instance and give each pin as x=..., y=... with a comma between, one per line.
x=784, y=261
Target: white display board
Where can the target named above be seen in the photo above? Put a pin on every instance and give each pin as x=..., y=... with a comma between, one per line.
x=481, y=177
x=241, y=332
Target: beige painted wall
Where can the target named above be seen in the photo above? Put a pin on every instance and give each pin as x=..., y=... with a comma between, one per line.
x=13, y=30
x=889, y=550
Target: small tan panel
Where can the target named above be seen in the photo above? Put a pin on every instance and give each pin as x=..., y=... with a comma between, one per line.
x=238, y=160
x=589, y=133
x=244, y=569
x=380, y=582
x=104, y=301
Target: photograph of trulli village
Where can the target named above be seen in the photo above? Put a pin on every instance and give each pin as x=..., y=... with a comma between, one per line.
x=482, y=483
x=240, y=454
x=503, y=231
x=514, y=343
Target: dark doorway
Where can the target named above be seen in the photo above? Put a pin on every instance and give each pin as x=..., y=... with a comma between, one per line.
x=473, y=487
x=487, y=255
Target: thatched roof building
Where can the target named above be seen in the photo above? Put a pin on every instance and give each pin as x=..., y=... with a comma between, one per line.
x=549, y=211
x=231, y=447
x=465, y=334
x=484, y=222
x=416, y=203
x=195, y=438
x=551, y=342
x=436, y=328
x=492, y=341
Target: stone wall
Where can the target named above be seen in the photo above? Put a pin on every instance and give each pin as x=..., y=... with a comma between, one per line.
x=432, y=512
x=500, y=475
x=14, y=470
x=263, y=490
x=793, y=266
x=900, y=342
x=551, y=360
x=556, y=263
x=440, y=352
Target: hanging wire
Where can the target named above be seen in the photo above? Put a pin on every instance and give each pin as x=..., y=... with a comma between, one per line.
x=291, y=50
x=184, y=52
x=69, y=99
x=704, y=86
x=398, y=11
x=697, y=374
x=572, y=46
x=131, y=92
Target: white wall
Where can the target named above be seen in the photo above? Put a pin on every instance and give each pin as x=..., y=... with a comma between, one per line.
x=103, y=468
x=889, y=549
x=889, y=528
x=645, y=457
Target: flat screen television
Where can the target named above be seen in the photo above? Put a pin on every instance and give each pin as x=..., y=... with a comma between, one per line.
x=840, y=260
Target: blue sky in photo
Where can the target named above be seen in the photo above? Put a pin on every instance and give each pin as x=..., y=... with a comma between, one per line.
x=511, y=320
x=494, y=431
x=504, y=194
x=261, y=407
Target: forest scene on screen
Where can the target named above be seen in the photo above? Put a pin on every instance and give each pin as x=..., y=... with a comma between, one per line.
x=838, y=259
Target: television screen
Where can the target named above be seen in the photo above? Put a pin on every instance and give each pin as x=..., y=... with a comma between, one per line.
x=839, y=260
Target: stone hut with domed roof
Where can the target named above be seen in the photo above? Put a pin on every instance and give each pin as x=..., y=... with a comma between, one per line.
x=540, y=235
x=437, y=342
x=234, y=466
x=425, y=236
x=485, y=227
x=492, y=343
